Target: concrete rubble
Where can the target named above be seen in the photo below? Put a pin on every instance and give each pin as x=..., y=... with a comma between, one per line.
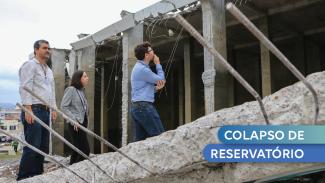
x=9, y=167
x=176, y=156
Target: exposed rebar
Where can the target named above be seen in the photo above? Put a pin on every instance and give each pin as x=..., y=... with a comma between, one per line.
x=179, y=18
x=86, y=129
x=43, y=154
x=63, y=139
x=267, y=43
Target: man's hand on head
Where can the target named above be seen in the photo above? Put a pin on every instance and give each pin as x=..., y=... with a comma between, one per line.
x=156, y=59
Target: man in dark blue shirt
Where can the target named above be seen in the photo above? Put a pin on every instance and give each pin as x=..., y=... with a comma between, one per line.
x=144, y=84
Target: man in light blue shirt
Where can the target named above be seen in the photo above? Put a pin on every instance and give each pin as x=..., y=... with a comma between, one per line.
x=144, y=84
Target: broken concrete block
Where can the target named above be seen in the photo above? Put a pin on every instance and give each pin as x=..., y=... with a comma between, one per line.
x=176, y=155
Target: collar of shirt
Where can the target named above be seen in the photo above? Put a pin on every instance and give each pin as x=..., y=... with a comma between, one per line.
x=35, y=60
x=43, y=66
x=143, y=63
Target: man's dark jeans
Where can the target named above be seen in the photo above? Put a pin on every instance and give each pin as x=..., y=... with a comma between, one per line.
x=31, y=163
x=146, y=120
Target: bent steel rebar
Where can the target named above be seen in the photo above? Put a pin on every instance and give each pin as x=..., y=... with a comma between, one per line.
x=179, y=18
x=86, y=130
x=63, y=139
x=43, y=154
x=267, y=43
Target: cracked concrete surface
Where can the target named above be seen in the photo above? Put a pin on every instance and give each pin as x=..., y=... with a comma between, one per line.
x=176, y=156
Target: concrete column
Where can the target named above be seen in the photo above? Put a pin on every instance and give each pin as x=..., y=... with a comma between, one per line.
x=187, y=81
x=58, y=58
x=87, y=64
x=131, y=38
x=301, y=58
x=78, y=61
x=217, y=82
x=265, y=60
x=103, y=113
x=322, y=58
x=181, y=101
x=172, y=100
x=72, y=63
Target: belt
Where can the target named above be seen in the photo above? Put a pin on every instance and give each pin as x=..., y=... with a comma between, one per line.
x=41, y=106
x=139, y=102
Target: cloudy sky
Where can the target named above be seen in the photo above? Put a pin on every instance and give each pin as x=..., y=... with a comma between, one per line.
x=24, y=21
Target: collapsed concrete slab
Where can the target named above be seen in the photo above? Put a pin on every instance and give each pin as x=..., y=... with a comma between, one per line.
x=176, y=156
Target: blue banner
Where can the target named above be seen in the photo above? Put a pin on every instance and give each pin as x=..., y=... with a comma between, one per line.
x=272, y=134
x=264, y=153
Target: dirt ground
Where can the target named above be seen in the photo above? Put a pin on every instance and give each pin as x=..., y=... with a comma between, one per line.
x=9, y=167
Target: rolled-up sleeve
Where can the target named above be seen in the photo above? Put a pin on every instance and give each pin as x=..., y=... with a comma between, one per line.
x=26, y=77
x=151, y=77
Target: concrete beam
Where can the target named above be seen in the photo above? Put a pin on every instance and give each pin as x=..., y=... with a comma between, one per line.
x=161, y=7
x=273, y=11
x=126, y=23
x=129, y=21
x=315, y=31
x=281, y=38
x=292, y=6
x=83, y=43
x=131, y=38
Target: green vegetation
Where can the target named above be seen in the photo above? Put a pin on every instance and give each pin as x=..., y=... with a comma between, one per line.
x=5, y=156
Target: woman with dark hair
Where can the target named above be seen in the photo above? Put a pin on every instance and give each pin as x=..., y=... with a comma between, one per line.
x=74, y=104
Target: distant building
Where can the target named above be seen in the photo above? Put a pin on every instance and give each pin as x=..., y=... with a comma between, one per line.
x=10, y=114
x=9, y=125
x=10, y=122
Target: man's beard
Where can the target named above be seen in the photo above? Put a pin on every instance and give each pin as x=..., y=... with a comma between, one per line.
x=47, y=56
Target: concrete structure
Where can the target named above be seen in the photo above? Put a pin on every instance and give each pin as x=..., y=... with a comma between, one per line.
x=176, y=155
x=59, y=58
x=196, y=84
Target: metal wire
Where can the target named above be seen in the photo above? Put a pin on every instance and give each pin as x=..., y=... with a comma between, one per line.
x=86, y=130
x=111, y=75
x=43, y=154
x=267, y=43
x=171, y=59
x=222, y=60
x=63, y=139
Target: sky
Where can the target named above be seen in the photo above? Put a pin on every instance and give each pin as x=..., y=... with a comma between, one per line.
x=22, y=22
